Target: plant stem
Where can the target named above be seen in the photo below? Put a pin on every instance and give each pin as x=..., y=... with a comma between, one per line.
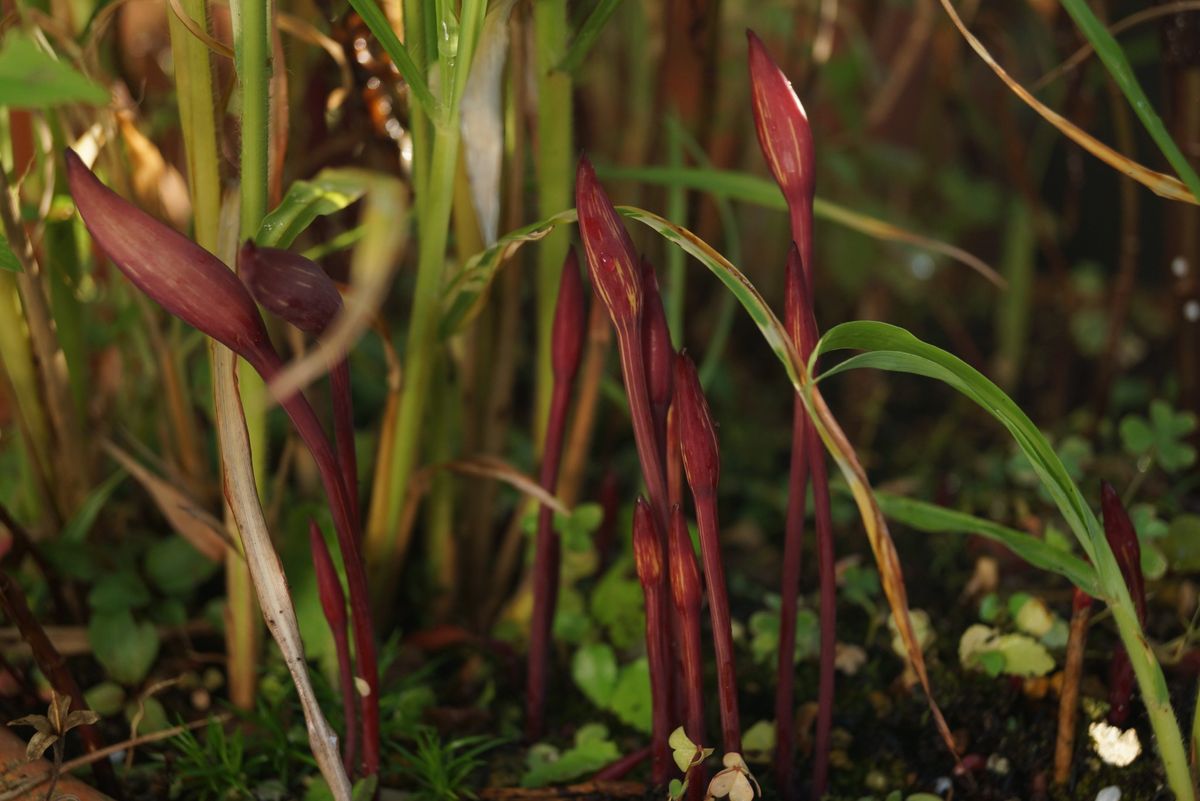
x=793, y=547
x=687, y=597
x=1155, y=696
x=545, y=570
x=309, y=427
x=343, y=432
x=718, y=607
x=555, y=179
x=828, y=615
x=1068, y=702
x=54, y=667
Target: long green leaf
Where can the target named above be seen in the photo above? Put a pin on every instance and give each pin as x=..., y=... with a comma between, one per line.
x=762, y=192
x=32, y=78
x=1113, y=56
x=891, y=348
x=936, y=519
x=330, y=191
x=378, y=24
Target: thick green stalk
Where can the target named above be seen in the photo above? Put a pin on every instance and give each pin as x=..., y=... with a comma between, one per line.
x=1155, y=696
x=435, y=194
x=383, y=548
x=197, y=118
x=555, y=180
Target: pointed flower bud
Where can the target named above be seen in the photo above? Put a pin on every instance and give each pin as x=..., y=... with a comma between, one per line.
x=697, y=436
x=1123, y=539
x=329, y=586
x=647, y=546
x=612, y=260
x=797, y=310
x=570, y=321
x=656, y=342
x=179, y=275
x=289, y=286
x=782, y=126
x=685, y=574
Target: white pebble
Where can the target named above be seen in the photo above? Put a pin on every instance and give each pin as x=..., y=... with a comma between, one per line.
x=1112, y=793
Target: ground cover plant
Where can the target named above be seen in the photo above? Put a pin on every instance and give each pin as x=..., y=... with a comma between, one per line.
x=457, y=400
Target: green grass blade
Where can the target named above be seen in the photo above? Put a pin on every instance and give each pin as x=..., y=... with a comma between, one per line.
x=934, y=519
x=890, y=348
x=330, y=191
x=746, y=188
x=1113, y=56
x=586, y=37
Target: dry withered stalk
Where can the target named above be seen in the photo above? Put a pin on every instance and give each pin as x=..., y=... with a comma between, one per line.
x=193, y=285
x=333, y=604
x=649, y=559
x=701, y=463
x=1068, y=700
x=54, y=667
x=570, y=316
x=687, y=597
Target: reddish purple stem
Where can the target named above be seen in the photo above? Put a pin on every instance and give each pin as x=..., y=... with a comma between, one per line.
x=650, y=559
x=333, y=604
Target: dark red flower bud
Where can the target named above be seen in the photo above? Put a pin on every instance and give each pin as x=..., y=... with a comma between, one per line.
x=656, y=342
x=697, y=436
x=797, y=306
x=570, y=321
x=289, y=286
x=179, y=275
x=647, y=546
x=782, y=126
x=1123, y=540
x=685, y=573
x=612, y=260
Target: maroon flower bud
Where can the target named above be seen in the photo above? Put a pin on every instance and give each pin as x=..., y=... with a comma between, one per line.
x=697, y=437
x=612, y=260
x=656, y=343
x=782, y=127
x=797, y=309
x=647, y=546
x=179, y=275
x=685, y=574
x=570, y=321
x=289, y=286
x=1123, y=540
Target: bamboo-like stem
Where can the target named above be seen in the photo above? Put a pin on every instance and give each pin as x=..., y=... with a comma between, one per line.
x=1068, y=701
x=554, y=169
x=54, y=667
x=435, y=194
x=252, y=47
x=70, y=464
